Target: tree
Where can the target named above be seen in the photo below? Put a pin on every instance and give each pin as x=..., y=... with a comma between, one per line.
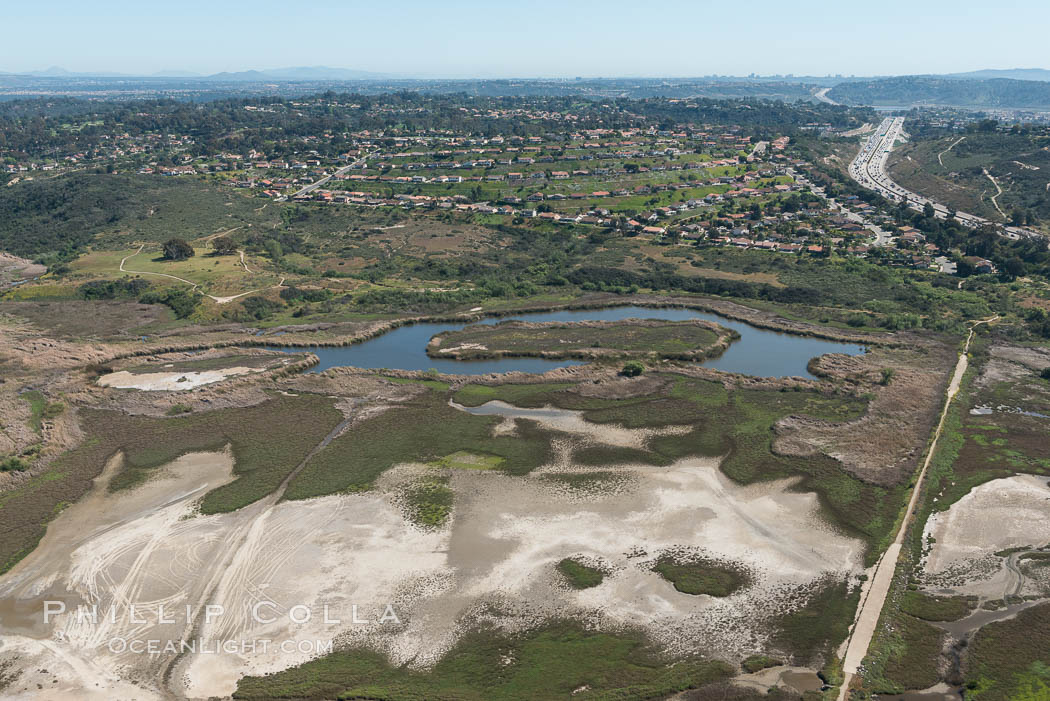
x=1013, y=268
x=177, y=249
x=223, y=246
x=632, y=369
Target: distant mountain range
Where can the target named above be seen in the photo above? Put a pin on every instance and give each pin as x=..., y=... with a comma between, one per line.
x=297, y=73
x=301, y=73
x=326, y=73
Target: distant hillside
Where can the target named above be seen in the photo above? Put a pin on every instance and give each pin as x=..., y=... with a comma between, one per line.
x=1011, y=73
x=914, y=90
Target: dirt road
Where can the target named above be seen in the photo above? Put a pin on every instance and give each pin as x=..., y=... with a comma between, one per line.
x=873, y=596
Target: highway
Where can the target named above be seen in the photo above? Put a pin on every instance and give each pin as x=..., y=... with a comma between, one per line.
x=822, y=95
x=869, y=169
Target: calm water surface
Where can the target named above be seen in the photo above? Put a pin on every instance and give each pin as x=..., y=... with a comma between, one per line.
x=758, y=352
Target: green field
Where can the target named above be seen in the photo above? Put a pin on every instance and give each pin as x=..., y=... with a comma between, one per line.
x=579, y=575
x=551, y=662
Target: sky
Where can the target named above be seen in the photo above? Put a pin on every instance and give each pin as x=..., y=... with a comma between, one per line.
x=528, y=38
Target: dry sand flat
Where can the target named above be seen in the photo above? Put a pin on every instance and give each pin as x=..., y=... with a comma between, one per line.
x=569, y=421
x=493, y=562
x=170, y=381
x=1005, y=513
x=104, y=550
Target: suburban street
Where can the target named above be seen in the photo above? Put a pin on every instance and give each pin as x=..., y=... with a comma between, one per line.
x=881, y=236
x=313, y=186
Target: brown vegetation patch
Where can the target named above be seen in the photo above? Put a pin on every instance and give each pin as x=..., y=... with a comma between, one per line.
x=88, y=319
x=882, y=446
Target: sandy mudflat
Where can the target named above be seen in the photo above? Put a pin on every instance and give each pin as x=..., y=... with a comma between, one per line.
x=494, y=561
x=998, y=515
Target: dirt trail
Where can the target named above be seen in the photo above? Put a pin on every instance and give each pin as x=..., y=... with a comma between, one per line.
x=125, y=259
x=217, y=234
x=877, y=588
x=999, y=191
x=947, y=150
x=194, y=285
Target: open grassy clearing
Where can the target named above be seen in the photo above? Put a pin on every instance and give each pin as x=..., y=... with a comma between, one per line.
x=551, y=662
x=219, y=275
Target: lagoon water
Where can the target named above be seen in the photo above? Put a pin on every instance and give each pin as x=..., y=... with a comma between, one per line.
x=758, y=352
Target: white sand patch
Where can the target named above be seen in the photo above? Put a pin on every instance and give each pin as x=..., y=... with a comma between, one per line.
x=998, y=515
x=106, y=550
x=775, y=534
x=463, y=347
x=171, y=381
x=573, y=422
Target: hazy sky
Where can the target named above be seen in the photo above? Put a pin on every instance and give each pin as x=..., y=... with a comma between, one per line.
x=526, y=38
